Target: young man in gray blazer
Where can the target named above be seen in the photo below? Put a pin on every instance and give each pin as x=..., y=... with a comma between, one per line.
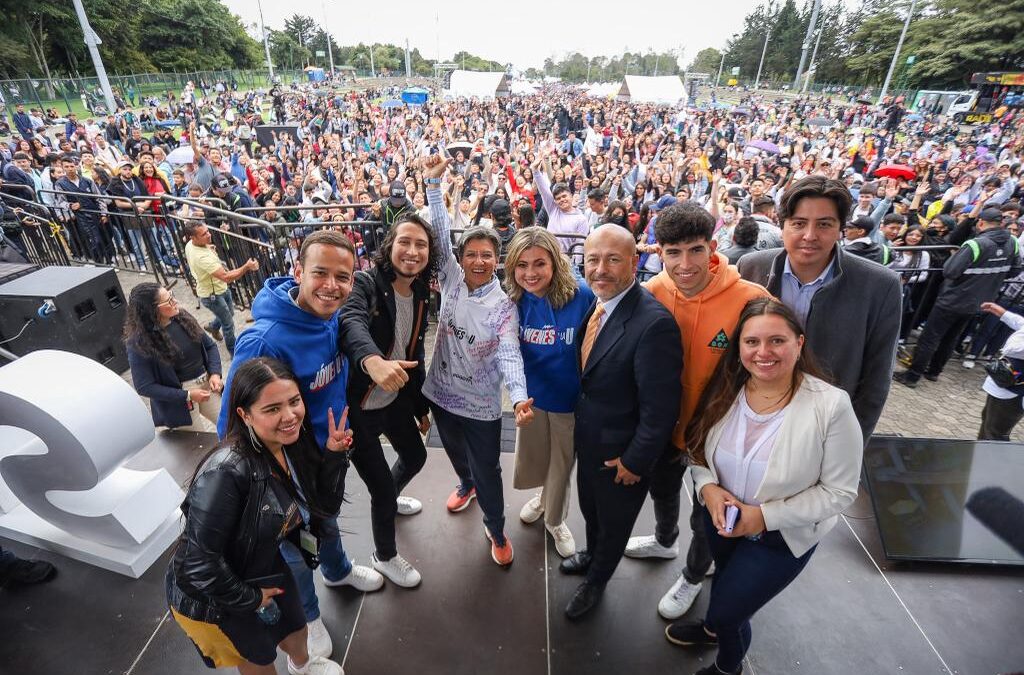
x=850, y=307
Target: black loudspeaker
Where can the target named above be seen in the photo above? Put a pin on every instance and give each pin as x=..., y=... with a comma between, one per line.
x=73, y=309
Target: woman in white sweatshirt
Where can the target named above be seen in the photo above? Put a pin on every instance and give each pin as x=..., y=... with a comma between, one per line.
x=776, y=457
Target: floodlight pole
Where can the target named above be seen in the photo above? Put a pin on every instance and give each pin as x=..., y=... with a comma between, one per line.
x=807, y=43
x=896, y=55
x=764, y=50
x=266, y=43
x=91, y=41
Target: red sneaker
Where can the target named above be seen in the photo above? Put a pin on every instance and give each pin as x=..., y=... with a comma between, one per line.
x=501, y=554
x=459, y=499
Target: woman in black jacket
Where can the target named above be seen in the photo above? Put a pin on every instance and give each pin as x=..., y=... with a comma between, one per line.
x=383, y=325
x=228, y=586
x=173, y=361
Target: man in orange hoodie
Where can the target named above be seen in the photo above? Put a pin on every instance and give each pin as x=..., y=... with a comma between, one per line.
x=705, y=295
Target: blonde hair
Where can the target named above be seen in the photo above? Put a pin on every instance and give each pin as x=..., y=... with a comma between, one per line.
x=563, y=282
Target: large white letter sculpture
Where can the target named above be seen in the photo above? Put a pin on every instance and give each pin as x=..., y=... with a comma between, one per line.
x=67, y=424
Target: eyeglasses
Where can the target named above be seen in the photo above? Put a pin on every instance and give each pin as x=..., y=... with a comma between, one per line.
x=169, y=301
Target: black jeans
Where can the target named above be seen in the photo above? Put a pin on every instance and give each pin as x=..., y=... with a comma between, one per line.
x=937, y=341
x=666, y=489
x=999, y=417
x=397, y=422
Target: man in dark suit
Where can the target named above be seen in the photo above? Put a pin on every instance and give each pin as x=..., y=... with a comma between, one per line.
x=630, y=362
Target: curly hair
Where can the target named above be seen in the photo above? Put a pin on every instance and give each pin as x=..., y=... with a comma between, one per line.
x=142, y=329
x=382, y=258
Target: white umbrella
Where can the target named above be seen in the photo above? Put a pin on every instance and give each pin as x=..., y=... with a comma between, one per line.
x=182, y=155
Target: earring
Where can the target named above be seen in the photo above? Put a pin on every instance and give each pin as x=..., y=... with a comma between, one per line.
x=252, y=437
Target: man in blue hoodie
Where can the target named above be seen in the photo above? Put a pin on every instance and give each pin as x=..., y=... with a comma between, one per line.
x=297, y=323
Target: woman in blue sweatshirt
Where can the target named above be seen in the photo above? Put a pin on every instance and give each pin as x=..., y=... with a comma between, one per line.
x=552, y=302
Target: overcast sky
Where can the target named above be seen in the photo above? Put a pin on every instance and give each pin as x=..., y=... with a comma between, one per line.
x=523, y=32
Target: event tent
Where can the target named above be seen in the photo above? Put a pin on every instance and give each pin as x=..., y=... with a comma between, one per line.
x=641, y=89
x=472, y=84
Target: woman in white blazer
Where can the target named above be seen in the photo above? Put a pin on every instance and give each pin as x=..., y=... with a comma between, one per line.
x=782, y=446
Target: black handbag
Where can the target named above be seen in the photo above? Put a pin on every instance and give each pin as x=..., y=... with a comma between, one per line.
x=1005, y=372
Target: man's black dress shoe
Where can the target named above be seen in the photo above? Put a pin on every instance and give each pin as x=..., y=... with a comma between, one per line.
x=583, y=600
x=577, y=563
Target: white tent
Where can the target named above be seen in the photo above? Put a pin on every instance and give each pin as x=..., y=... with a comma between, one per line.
x=524, y=88
x=603, y=89
x=640, y=89
x=472, y=84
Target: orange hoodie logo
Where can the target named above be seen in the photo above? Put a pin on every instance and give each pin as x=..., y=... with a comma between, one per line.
x=720, y=342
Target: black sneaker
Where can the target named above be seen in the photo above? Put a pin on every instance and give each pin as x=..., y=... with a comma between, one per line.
x=931, y=377
x=713, y=670
x=689, y=634
x=906, y=378
x=214, y=332
x=26, y=572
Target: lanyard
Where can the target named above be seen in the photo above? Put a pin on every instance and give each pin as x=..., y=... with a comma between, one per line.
x=743, y=461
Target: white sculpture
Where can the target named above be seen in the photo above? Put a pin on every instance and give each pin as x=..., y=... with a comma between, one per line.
x=67, y=425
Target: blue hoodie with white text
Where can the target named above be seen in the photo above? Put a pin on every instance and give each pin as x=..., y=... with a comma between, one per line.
x=304, y=342
x=547, y=340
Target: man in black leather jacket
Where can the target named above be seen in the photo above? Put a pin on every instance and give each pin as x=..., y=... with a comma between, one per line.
x=383, y=326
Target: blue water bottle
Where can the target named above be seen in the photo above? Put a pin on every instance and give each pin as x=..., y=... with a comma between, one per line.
x=269, y=613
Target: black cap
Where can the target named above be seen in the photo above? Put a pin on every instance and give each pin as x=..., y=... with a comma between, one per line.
x=222, y=181
x=397, y=192
x=991, y=215
x=864, y=223
x=500, y=209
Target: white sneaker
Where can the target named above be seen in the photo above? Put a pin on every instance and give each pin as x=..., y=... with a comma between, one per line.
x=968, y=363
x=677, y=601
x=361, y=578
x=532, y=510
x=648, y=547
x=564, y=543
x=318, y=640
x=409, y=506
x=317, y=665
x=398, y=570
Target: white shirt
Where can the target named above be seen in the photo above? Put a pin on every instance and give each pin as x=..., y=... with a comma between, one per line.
x=744, y=449
x=610, y=306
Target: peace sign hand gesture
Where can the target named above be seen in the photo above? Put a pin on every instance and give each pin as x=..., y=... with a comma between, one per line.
x=339, y=439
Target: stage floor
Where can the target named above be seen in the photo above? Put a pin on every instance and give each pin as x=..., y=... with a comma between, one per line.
x=849, y=612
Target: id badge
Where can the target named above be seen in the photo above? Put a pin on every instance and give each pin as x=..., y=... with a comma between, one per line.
x=309, y=543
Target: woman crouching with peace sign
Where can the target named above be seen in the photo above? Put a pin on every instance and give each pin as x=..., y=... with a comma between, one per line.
x=228, y=586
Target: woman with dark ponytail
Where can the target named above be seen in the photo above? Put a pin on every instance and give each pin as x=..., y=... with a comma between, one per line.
x=173, y=361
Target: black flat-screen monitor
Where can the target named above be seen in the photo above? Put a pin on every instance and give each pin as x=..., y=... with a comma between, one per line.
x=948, y=500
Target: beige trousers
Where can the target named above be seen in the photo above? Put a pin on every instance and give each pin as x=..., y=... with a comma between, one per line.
x=544, y=458
x=205, y=414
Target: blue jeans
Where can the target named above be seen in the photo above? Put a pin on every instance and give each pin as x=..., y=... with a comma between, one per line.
x=138, y=248
x=747, y=575
x=474, y=448
x=334, y=564
x=223, y=311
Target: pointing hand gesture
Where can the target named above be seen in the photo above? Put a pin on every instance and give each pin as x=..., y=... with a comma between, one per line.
x=339, y=439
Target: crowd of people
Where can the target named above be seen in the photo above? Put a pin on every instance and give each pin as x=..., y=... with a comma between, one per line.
x=776, y=257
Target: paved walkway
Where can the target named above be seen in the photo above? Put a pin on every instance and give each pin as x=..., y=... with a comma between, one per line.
x=949, y=408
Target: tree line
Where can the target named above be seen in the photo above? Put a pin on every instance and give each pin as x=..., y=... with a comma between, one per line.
x=947, y=41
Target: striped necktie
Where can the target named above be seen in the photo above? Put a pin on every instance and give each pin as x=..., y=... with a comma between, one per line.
x=593, y=326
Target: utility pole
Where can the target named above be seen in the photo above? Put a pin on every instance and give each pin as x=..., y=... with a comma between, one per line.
x=327, y=34
x=896, y=56
x=408, y=69
x=91, y=41
x=814, y=57
x=720, y=66
x=266, y=43
x=373, y=69
x=807, y=43
x=764, y=50
x=657, y=62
